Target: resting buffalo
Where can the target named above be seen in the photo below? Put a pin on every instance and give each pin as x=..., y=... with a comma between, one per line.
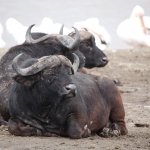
x=47, y=45
x=40, y=102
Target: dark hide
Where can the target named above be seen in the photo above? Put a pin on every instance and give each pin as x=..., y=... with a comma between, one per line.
x=48, y=47
x=96, y=108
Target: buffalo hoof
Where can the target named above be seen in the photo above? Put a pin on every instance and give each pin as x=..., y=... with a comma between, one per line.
x=105, y=132
x=109, y=133
x=87, y=133
x=3, y=123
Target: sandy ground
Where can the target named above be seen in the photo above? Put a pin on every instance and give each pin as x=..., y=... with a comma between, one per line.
x=132, y=69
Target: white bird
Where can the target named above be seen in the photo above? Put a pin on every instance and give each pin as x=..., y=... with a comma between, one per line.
x=45, y=26
x=2, y=43
x=18, y=30
x=102, y=37
x=133, y=31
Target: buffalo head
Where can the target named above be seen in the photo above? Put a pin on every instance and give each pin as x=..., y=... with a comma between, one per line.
x=94, y=56
x=48, y=75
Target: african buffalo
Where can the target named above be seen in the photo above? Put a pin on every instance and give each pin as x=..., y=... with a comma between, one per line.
x=47, y=45
x=39, y=107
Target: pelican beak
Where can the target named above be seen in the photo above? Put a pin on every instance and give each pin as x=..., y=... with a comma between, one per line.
x=142, y=24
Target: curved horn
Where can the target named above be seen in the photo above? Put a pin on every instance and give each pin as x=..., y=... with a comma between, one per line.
x=15, y=65
x=85, y=29
x=42, y=63
x=76, y=43
x=76, y=63
x=61, y=29
x=28, y=34
x=29, y=38
x=69, y=42
x=65, y=40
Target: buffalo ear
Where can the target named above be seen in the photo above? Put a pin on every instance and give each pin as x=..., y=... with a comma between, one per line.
x=26, y=81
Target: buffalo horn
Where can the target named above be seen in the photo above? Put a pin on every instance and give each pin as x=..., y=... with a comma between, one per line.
x=85, y=29
x=42, y=63
x=69, y=42
x=65, y=40
x=76, y=63
x=29, y=38
x=76, y=43
x=61, y=29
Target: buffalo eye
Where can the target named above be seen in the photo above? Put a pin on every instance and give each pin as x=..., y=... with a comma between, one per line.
x=70, y=72
x=51, y=79
x=90, y=48
x=87, y=44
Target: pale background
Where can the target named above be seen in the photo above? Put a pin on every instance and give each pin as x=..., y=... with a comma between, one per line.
x=109, y=12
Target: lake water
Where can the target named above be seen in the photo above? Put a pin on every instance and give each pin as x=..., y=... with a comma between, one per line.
x=110, y=14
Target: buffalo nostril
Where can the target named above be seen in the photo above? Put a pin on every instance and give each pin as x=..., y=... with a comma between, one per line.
x=70, y=87
x=105, y=59
x=70, y=91
x=67, y=87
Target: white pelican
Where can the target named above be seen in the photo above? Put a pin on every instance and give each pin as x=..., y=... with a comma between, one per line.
x=133, y=31
x=102, y=37
x=18, y=30
x=2, y=43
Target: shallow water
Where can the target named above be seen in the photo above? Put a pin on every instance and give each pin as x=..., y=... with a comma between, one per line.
x=109, y=13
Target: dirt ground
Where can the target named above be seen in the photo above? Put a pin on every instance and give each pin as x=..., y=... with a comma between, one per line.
x=132, y=69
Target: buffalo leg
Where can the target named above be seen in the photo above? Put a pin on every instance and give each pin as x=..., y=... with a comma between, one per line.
x=117, y=119
x=77, y=128
x=116, y=125
x=17, y=127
